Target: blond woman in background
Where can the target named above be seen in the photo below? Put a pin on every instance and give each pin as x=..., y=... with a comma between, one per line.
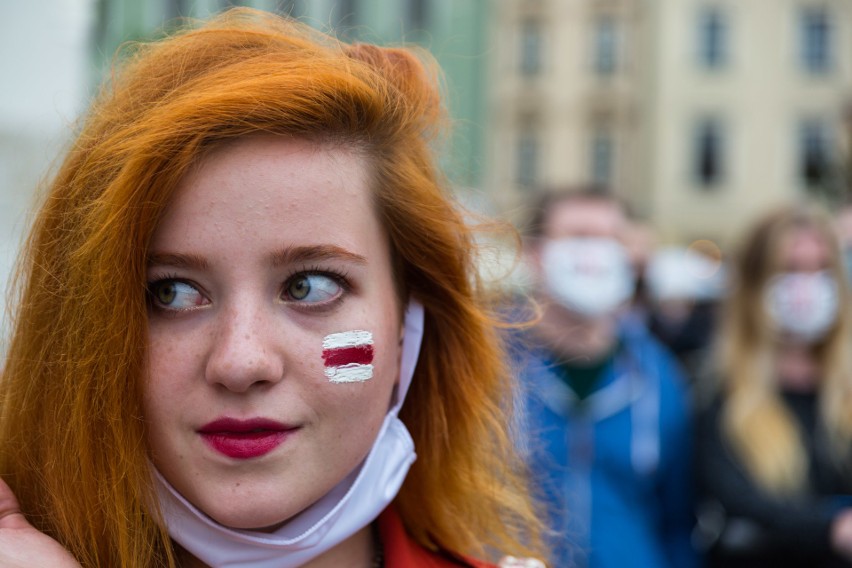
x=775, y=442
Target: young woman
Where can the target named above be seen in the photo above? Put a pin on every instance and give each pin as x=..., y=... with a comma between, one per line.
x=776, y=445
x=215, y=358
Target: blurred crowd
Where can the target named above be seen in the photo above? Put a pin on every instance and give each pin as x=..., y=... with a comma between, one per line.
x=684, y=407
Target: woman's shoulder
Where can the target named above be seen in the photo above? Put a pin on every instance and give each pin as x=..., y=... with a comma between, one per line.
x=401, y=551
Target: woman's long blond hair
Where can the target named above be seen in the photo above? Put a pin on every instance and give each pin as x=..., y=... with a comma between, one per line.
x=761, y=429
x=72, y=432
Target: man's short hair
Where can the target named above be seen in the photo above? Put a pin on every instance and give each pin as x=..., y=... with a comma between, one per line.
x=547, y=198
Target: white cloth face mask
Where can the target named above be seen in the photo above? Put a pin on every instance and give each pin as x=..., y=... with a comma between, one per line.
x=803, y=304
x=589, y=276
x=352, y=505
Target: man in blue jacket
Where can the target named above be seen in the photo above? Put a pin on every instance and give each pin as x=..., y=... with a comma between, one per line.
x=603, y=416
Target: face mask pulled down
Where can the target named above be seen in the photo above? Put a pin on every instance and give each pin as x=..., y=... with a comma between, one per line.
x=803, y=305
x=589, y=276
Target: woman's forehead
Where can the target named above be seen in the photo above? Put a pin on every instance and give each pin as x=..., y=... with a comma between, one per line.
x=586, y=217
x=272, y=187
x=804, y=248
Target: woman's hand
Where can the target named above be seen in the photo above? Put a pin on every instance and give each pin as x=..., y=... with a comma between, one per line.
x=841, y=534
x=21, y=545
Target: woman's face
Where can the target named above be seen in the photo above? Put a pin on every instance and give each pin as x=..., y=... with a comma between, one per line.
x=270, y=250
x=802, y=298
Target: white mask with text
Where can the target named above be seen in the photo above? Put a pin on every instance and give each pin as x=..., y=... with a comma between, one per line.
x=591, y=277
x=803, y=304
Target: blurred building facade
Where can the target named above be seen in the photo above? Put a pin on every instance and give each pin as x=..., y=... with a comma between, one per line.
x=700, y=113
x=454, y=32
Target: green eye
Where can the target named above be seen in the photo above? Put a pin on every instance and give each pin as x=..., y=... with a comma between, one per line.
x=299, y=288
x=165, y=293
x=173, y=295
x=312, y=288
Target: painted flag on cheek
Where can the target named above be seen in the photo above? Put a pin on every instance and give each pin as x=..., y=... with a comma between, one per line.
x=348, y=356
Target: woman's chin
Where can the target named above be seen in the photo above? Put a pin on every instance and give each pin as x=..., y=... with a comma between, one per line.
x=250, y=521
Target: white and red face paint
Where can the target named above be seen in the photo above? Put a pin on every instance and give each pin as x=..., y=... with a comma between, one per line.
x=348, y=356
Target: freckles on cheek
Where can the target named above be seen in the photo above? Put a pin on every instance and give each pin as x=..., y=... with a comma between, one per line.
x=348, y=356
x=160, y=360
x=171, y=365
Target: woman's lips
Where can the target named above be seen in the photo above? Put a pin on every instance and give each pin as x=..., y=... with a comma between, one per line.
x=244, y=439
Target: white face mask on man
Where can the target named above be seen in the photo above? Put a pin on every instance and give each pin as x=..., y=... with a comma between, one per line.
x=589, y=276
x=803, y=304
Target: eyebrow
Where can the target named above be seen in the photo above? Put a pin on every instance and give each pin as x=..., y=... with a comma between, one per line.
x=290, y=255
x=287, y=255
x=178, y=260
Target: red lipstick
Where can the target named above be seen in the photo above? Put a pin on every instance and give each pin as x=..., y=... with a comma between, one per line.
x=244, y=439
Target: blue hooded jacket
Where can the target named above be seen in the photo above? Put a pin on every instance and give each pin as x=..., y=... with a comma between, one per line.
x=615, y=469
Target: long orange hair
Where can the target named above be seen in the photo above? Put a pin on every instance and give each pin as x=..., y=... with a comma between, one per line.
x=72, y=432
x=755, y=420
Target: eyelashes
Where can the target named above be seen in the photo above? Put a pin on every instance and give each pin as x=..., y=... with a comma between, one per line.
x=175, y=295
x=314, y=288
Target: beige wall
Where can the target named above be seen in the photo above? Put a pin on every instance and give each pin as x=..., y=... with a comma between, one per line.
x=762, y=96
x=655, y=101
x=566, y=102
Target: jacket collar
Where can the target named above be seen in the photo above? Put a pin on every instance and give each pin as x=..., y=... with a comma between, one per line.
x=401, y=551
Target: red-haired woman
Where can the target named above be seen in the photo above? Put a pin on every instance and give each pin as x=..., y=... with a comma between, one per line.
x=246, y=302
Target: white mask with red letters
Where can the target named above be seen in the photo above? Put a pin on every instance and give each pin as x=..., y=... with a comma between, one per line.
x=804, y=305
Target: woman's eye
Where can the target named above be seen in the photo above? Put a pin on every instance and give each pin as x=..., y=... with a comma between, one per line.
x=311, y=288
x=175, y=295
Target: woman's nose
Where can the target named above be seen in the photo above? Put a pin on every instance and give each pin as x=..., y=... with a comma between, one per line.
x=245, y=351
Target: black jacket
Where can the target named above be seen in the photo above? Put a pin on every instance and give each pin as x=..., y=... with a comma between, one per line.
x=745, y=526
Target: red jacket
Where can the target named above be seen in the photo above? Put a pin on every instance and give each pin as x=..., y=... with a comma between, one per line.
x=403, y=552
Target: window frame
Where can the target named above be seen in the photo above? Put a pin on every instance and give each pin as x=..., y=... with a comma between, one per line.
x=816, y=39
x=713, y=38
x=709, y=150
x=606, y=45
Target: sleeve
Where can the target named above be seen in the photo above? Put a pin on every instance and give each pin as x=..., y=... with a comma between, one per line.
x=803, y=521
x=676, y=480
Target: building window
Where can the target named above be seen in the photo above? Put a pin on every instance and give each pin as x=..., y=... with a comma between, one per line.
x=814, y=153
x=606, y=46
x=602, y=158
x=292, y=8
x=527, y=159
x=531, y=44
x=345, y=17
x=709, y=153
x=815, y=37
x=416, y=12
x=712, y=39
x=177, y=9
